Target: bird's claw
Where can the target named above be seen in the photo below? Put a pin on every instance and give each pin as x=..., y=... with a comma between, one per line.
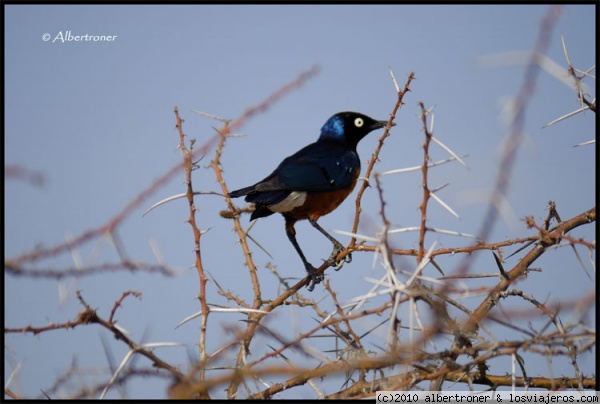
x=315, y=278
x=332, y=260
x=337, y=266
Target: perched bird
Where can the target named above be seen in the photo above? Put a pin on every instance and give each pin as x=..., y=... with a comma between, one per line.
x=314, y=181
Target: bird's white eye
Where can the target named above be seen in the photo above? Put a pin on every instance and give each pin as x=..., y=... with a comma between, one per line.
x=358, y=122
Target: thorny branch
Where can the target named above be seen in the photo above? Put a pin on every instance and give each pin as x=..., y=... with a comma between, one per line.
x=189, y=166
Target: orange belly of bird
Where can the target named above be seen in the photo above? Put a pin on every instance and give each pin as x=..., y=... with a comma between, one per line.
x=319, y=204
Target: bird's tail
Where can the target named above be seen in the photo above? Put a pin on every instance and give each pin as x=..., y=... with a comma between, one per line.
x=241, y=192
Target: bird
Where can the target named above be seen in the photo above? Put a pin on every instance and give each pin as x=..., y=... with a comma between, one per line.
x=313, y=182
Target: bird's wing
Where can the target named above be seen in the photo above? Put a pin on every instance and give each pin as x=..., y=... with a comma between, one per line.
x=317, y=167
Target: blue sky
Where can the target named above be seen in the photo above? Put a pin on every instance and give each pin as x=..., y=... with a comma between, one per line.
x=96, y=118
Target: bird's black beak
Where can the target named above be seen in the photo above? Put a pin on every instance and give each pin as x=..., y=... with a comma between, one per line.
x=381, y=124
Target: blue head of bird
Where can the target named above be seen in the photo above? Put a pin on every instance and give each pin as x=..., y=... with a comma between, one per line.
x=349, y=127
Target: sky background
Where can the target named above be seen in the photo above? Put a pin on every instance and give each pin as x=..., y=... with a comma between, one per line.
x=96, y=118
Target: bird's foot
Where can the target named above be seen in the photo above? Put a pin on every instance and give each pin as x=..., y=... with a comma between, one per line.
x=315, y=278
x=332, y=260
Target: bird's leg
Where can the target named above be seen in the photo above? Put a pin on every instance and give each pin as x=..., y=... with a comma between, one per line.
x=312, y=271
x=337, y=247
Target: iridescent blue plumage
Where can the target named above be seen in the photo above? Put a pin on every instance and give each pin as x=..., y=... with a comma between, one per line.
x=315, y=180
x=333, y=128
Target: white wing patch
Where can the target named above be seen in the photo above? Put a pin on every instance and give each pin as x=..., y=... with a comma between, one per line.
x=293, y=200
